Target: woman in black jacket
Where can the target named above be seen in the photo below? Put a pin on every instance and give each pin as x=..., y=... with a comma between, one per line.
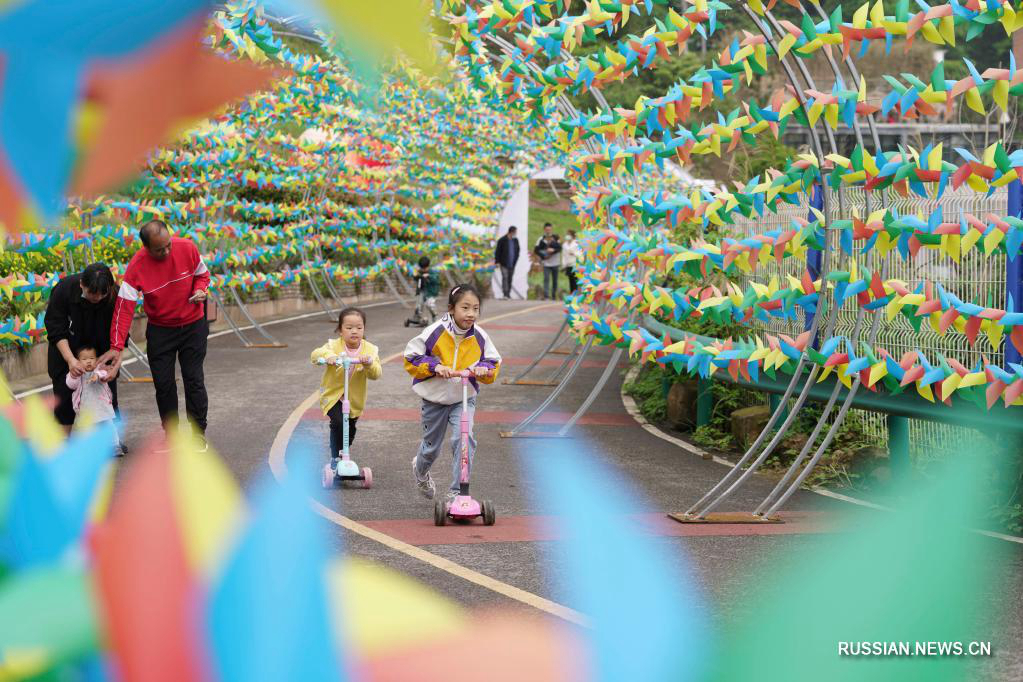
x=78, y=314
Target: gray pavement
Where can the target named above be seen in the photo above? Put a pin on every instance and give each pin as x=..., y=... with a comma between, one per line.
x=252, y=393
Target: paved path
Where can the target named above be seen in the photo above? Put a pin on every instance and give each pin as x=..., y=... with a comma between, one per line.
x=263, y=397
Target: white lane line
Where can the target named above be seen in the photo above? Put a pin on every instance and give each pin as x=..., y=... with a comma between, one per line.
x=129, y=361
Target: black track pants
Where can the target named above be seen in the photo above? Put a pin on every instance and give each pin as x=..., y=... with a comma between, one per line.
x=188, y=345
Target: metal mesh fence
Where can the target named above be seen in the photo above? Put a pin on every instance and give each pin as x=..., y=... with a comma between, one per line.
x=975, y=278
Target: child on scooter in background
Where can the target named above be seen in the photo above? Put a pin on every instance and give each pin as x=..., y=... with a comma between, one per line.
x=449, y=345
x=351, y=326
x=427, y=286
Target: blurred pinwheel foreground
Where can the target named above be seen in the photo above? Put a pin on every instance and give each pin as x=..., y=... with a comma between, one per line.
x=174, y=575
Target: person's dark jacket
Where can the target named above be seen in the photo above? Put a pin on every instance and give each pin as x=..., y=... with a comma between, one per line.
x=69, y=316
x=428, y=282
x=543, y=243
x=507, y=253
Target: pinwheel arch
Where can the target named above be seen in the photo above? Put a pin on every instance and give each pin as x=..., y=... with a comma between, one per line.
x=307, y=185
x=858, y=228
x=843, y=224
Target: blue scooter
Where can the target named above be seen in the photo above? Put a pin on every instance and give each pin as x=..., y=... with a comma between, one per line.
x=344, y=468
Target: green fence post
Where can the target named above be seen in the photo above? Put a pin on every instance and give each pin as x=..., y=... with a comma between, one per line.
x=898, y=446
x=773, y=400
x=704, y=401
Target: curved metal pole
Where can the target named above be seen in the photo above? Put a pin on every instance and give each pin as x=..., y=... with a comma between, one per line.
x=699, y=508
x=319, y=296
x=558, y=390
x=564, y=363
x=327, y=277
x=230, y=322
x=451, y=282
x=536, y=361
x=394, y=291
x=706, y=506
x=597, y=388
x=274, y=343
x=772, y=502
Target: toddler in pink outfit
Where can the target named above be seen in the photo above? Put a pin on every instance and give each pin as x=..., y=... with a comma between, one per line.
x=90, y=393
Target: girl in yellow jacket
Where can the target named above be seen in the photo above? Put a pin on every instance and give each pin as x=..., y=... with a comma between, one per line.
x=351, y=326
x=449, y=345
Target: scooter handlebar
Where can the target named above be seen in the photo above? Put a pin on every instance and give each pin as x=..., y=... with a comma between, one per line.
x=367, y=360
x=463, y=374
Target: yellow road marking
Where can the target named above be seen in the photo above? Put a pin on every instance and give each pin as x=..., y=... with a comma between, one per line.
x=279, y=467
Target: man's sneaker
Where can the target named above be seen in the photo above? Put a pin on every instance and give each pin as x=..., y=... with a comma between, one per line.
x=450, y=497
x=201, y=444
x=425, y=485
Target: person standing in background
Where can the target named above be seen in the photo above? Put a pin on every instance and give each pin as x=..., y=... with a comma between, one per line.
x=570, y=255
x=548, y=250
x=507, y=256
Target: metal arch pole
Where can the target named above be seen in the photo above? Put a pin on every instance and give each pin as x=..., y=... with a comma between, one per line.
x=274, y=343
x=775, y=499
x=311, y=276
x=319, y=296
x=394, y=291
x=137, y=352
x=141, y=357
x=612, y=363
x=798, y=371
x=400, y=276
x=449, y=278
x=828, y=437
x=831, y=139
x=779, y=435
x=536, y=361
x=564, y=363
x=702, y=506
x=231, y=323
x=327, y=277
x=576, y=364
x=558, y=390
x=772, y=502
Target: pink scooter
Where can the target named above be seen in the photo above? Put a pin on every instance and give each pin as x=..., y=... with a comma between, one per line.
x=464, y=508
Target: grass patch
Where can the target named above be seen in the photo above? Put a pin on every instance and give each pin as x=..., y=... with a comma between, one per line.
x=647, y=389
x=561, y=221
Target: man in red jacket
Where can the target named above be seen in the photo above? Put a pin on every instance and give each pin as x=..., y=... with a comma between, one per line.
x=169, y=275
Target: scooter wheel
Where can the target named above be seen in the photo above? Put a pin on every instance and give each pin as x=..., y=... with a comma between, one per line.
x=489, y=515
x=406, y=323
x=328, y=477
x=367, y=477
x=440, y=513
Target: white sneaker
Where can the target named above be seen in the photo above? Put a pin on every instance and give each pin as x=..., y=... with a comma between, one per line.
x=425, y=485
